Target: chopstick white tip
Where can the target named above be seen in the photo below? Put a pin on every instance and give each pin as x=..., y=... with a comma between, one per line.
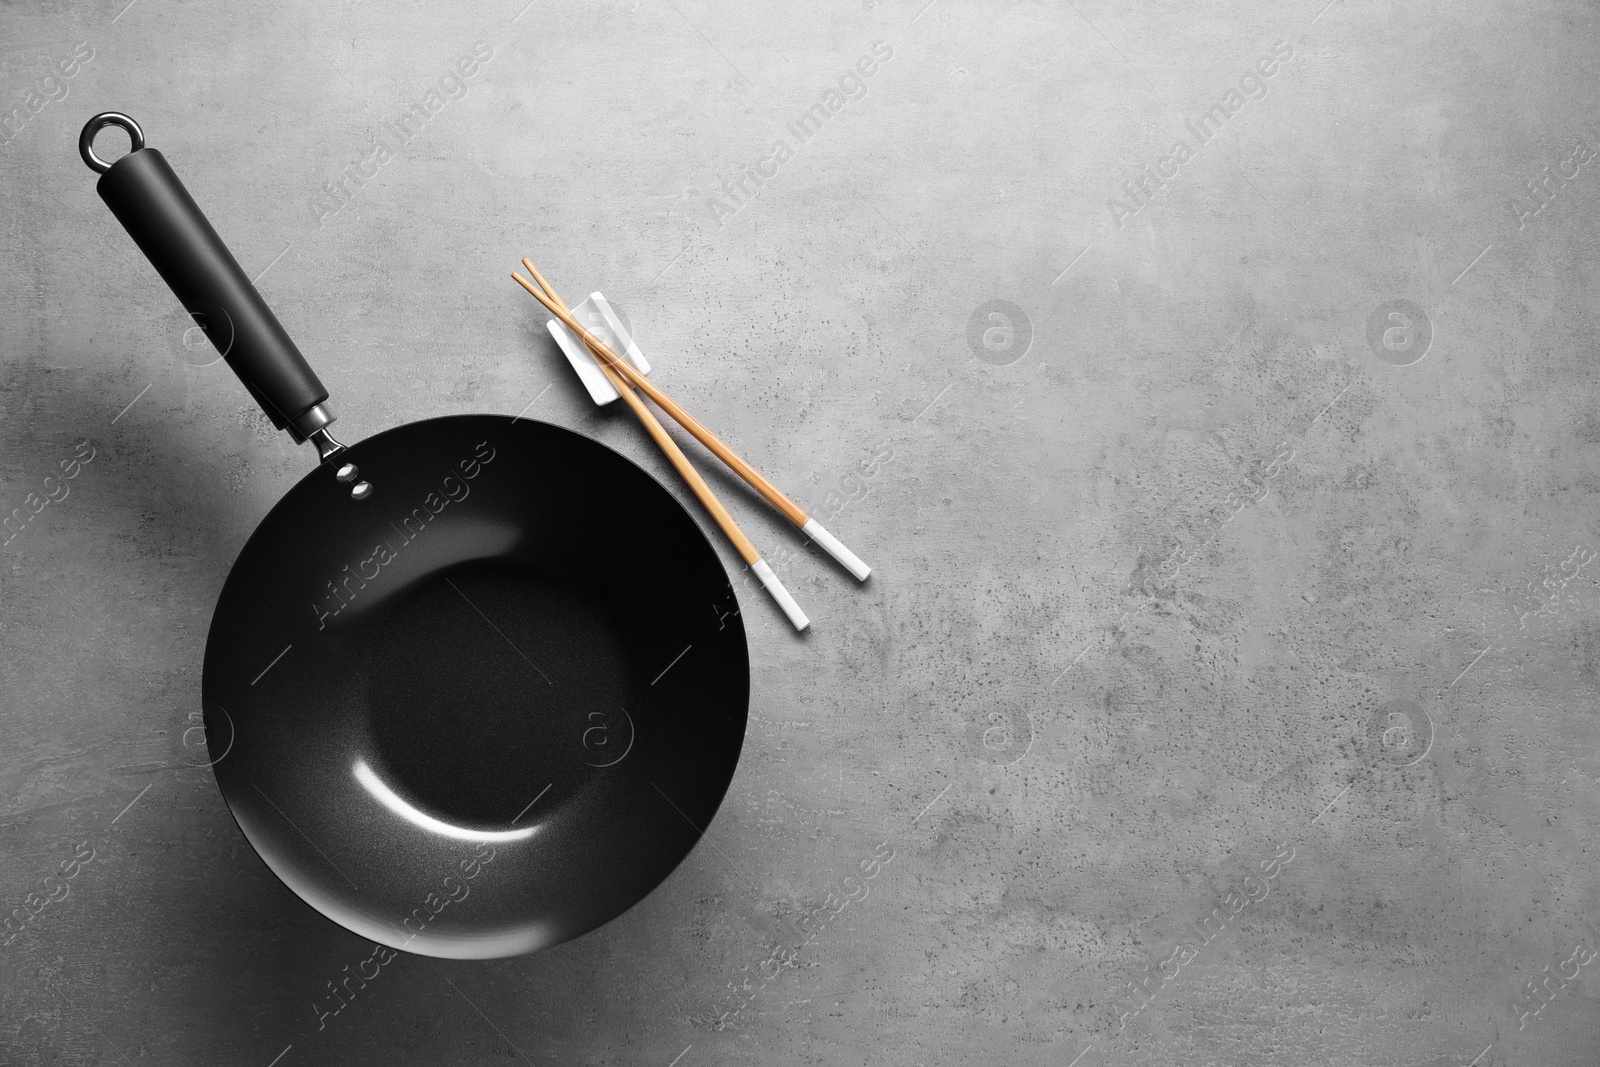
x=835, y=548
x=780, y=594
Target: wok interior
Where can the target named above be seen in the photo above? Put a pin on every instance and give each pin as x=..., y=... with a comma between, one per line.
x=491, y=673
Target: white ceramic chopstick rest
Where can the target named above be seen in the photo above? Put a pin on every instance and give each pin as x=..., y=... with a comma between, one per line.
x=598, y=318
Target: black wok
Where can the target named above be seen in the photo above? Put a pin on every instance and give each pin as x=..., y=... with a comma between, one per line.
x=476, y=684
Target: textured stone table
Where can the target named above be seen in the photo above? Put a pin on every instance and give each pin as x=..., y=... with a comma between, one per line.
x=1213, y=396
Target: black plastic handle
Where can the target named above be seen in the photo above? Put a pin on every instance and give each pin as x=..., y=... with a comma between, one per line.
x=170, y=229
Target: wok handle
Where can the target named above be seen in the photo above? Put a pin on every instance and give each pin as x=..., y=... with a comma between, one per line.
x=168, y=226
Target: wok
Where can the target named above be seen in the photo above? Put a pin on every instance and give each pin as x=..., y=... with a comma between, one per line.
x=450, y=700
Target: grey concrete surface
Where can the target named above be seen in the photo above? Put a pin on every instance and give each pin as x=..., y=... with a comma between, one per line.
x=1226, y=689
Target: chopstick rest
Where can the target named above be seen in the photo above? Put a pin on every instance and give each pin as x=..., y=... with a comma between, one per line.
x=597, y=316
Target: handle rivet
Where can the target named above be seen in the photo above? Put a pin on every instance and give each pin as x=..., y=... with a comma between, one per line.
x=347, y=473
x=360, y=491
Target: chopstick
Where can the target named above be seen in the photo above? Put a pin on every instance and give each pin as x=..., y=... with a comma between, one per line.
x=774, y=496
x=697, y=484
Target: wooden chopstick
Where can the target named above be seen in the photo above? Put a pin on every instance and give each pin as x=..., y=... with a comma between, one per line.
x=775, y=496
x=740, y=542
x=730, y=529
